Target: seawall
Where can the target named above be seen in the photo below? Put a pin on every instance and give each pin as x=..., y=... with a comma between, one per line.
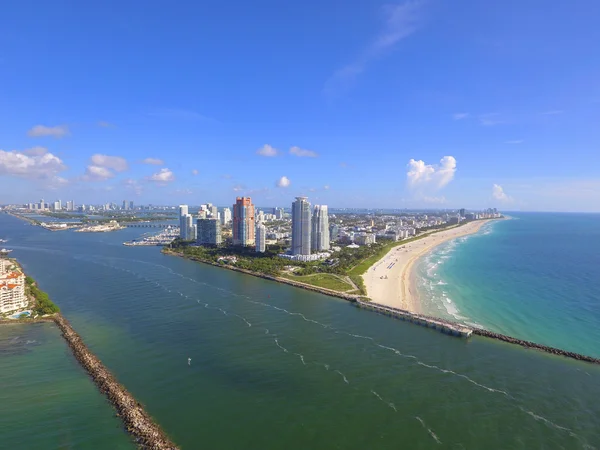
x=308, y=287
x=147, y=434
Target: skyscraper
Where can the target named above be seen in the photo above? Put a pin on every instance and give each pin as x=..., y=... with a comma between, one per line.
x=243, y=221
x=183, y=211
x=320, y=229
x=301, y=226
x=190, y=228
x=214, y=212
x=226, y=216
x=261, y=237
x=130, y=204
x=208, y=232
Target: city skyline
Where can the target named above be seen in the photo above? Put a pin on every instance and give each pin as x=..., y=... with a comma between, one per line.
x=366, y=121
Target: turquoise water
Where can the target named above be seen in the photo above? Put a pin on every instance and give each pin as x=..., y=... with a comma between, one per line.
x=277, y=367
x=535, y=277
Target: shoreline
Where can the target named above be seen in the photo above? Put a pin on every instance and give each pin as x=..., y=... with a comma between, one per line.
x=298, y=284
x=398, y=289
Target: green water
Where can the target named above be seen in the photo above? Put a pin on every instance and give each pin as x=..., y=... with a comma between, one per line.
x=47, y=401
x=276, y=367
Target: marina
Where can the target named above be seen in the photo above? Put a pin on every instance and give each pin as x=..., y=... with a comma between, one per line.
x=165, y=237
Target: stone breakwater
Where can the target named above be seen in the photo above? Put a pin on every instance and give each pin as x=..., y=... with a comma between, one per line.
x=528, y=344
x=139, y=424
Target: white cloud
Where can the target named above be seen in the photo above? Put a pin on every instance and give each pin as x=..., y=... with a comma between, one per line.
x=133, y=185
x=163, y=176
x=552, y=112
x=195, y=172
x=36, y=163
x=460, y=116
x=153, y=161
x=97, y=173
x=490, y=119
x=400, y=22
x=434, y=200
x=42, y=130
x=104, y=124
x=267, y=150
x=499, y=194
x=183, y=191
x=238, y=188
x=326, y=187
x=435, y=176
x=283, y=182
x=344, y=165
x=302, y=152
x=109, y=162
x=515, y=142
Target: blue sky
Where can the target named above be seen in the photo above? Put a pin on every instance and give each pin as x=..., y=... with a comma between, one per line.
x=402, y=104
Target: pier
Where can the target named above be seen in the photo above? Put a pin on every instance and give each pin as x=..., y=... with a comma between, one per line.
x=453, y=329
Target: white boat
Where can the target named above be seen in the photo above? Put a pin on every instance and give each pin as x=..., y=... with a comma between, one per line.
x=5, y=251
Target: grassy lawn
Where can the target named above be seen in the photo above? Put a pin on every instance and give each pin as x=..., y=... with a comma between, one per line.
x=324, y=280
x=364, y=265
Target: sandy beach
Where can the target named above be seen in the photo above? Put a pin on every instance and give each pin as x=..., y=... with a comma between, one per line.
x=388, y=281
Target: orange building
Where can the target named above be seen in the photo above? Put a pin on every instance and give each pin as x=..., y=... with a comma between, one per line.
x=243, y=221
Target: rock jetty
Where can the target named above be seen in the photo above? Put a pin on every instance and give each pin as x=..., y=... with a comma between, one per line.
x=528, y=344
x=147, y=434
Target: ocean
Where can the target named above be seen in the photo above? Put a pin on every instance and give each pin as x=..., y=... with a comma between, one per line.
x=535, y=277
x=272, y=366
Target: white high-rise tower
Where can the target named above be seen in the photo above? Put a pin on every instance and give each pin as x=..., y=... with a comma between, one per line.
x=183, y=222
x=320, y=229
x=301, y=226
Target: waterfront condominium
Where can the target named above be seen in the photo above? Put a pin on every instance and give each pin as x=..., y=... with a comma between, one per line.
x=243, y=221
x=208, y=232
x=320, y=229
x=183, y=211
x=12, y=287
x=301, y=226
x=225, y=216
x=261, y=237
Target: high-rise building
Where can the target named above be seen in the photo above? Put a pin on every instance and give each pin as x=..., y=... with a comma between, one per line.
x=334, y=231
x=183, y=212
x=202, y=214
x=214, y=212
x=70, y=205
x=225, y=216
x=190, y=228
x=208, y=232
x=125, y=204
x=243, y=221
x=56, y=206
x=320, y=229
x=261, y=238
x=301, y=226
x=462, y=212
x=279, y=213
x=130, y=204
